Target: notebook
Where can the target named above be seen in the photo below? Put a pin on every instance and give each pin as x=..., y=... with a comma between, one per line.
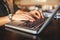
x=34, y=28
x=26, y=26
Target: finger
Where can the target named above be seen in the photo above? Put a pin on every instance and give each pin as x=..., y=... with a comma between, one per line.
x=41, y=14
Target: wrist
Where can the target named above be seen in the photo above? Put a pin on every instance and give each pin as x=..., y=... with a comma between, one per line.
x=10, y=17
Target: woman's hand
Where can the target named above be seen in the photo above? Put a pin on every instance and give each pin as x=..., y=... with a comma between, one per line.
x=37, y=14
x=22, y=16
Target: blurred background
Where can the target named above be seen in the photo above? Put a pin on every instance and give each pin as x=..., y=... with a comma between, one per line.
x=44, y=4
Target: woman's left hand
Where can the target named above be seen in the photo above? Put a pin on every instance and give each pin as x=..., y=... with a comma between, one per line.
x=37, y=14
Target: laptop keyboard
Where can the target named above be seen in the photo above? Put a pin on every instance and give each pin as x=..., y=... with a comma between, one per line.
x=27, y=24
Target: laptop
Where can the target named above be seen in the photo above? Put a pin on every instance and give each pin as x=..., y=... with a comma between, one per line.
x=32, y=28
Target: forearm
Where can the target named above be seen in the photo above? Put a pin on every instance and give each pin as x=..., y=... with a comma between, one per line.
x=4, y=20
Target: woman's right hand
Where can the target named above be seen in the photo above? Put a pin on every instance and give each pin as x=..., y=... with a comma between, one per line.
x=23, y=16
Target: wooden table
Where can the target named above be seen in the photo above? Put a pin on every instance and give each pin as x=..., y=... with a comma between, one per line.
x=52, y=32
